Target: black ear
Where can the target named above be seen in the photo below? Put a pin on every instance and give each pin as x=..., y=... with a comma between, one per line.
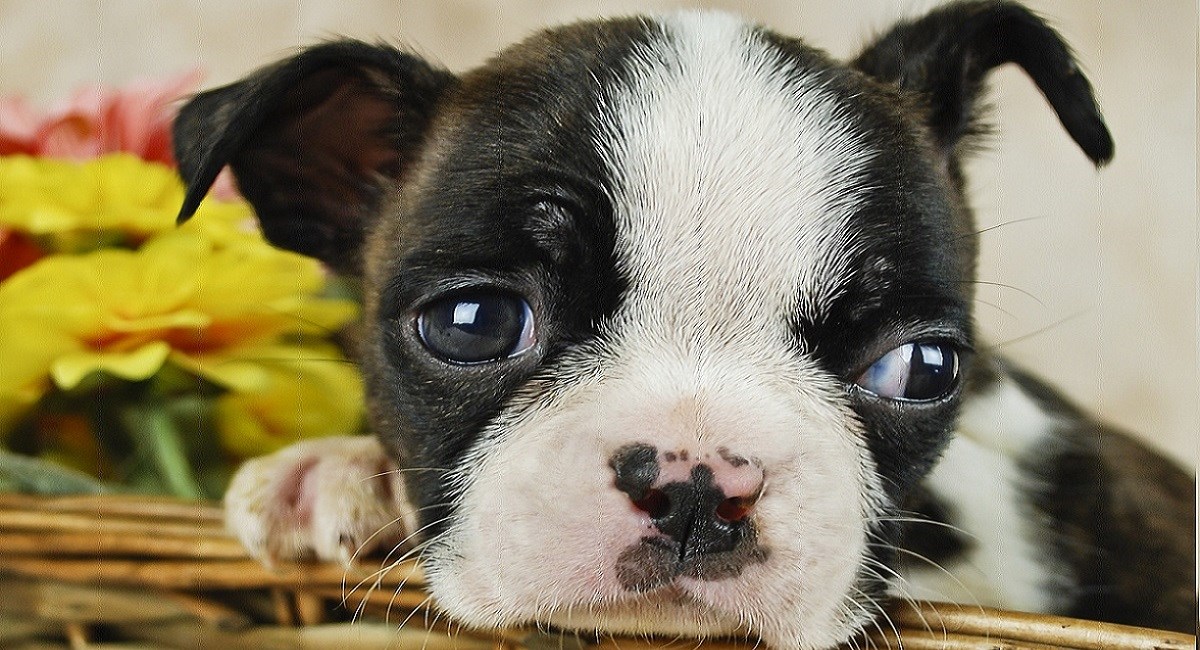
x=946, y=55
x=312, y=141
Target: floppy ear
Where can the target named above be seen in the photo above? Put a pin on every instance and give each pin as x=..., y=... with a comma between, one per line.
x=312, y=141
x=946, y=55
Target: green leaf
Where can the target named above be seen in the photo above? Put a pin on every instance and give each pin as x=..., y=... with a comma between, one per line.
x=26, y=475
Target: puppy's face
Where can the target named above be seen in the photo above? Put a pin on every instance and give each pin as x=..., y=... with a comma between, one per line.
x=665, y=317
x=629, y=321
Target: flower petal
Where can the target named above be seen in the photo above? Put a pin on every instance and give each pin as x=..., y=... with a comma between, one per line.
x=237, y=374
x=135, y=118
x=113, y=193
x=310, y=392
x=70, y=369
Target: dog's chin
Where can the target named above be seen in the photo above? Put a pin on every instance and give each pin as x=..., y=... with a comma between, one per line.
x=683, y=608
x=668, y=611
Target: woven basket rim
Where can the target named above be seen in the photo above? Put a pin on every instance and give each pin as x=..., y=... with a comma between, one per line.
x=131, y=542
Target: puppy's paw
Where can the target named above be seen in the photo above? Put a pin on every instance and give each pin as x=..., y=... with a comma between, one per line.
x=329, y=499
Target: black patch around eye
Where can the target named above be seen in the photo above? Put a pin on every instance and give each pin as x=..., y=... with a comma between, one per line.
x=523, y=129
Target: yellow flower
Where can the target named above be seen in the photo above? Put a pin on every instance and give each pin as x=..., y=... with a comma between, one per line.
x=306, y=395
x=205, y=306
x=70, y=203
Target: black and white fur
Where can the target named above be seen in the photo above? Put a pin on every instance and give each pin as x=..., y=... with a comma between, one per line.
x=717, y=229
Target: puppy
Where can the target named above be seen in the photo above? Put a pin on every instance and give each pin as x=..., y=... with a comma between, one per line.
x=668, y=329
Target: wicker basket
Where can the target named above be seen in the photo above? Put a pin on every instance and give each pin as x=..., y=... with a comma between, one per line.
x=136, y=572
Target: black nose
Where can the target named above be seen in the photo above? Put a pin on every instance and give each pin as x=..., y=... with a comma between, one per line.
x=696, y=514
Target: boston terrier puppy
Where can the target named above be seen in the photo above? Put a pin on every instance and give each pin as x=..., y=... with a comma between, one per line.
x=668, y=329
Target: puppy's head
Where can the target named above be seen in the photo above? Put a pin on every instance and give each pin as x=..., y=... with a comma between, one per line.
x=665, y=316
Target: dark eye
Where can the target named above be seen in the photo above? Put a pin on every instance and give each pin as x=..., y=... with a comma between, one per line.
x=476, y=327
x=915, y=372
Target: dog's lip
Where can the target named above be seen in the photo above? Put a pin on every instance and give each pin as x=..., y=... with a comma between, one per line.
x=673, y=592
x=674, y=595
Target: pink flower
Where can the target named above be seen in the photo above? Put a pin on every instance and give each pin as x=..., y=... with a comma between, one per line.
x=97, y=120
x=18, y=126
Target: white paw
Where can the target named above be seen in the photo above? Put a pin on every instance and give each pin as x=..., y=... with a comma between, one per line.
x=330, y=499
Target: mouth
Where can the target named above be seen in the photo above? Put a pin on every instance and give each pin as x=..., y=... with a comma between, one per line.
x=658, y=562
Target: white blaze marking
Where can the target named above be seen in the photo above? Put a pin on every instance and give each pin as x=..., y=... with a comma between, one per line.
x=735, y=178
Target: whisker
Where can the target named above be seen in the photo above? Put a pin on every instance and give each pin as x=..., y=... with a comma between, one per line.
x=931, y=563
x=901, y=585
x=380, y=574
x=996, y=307
x=327, y=331
x=1041, y=330
x=387, y=558
x=420, y=607
x=407, y=555
x=852, y=641
x=407, y=538
x=401, y=470
x=399, y=544
x=429, y=624
x=848, y=614
x=240, y=359
x=363, y=544
x=391, y=602
x=1005, y=286
x=931, y=522
x=1002, y=224
x=875, y=619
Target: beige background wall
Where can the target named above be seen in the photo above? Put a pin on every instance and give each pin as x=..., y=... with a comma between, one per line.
x=1104, y=297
